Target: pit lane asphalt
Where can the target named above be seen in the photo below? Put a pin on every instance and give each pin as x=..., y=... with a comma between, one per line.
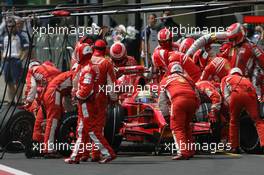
x=139, y=164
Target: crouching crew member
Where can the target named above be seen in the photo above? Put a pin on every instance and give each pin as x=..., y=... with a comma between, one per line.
x=239, y=94
x=210, y=90
x=38, y=77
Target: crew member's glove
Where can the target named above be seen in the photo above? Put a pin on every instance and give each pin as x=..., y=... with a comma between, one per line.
x=27, y=105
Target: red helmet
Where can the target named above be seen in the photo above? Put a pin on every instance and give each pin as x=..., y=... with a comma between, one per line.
x=118, y=51
x=84, y=39
x=186, y=44
x=160, y=58
x=99, y=47
x=236, y=33
x=165, y=38
x=83, y=53
x=175, y=67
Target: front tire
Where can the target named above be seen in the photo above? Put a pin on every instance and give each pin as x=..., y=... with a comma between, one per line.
x=115, y=117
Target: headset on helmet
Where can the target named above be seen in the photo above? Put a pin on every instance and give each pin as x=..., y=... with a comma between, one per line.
x=186, y=44
x=175, y=67
x=236, y=33
x=84, y=53
x=118, y=51
x=235, y=70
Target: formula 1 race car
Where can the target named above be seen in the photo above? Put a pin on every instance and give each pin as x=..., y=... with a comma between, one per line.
x=138, y=120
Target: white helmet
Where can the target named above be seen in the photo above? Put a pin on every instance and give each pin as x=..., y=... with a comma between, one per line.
x=176, y=67
x=118, y=51
x=145, y=97
x=235, y=70
x=33, y=63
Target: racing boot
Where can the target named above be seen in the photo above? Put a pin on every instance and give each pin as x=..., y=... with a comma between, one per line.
x=107, y=159
x=236, y=150
x=70, y=161
x=180, y=157
x=96, y=157
x=84, y=158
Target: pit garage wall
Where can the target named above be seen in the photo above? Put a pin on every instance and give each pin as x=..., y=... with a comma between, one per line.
x=130, y=18
x=259, y=7
x=223, y=21
x=198, y=20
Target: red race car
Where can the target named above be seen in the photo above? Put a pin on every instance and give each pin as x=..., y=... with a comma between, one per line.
x=138, y=120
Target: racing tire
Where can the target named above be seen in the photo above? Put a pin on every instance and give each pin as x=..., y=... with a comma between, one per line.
x=17, y=128
x=115, y=117
x=67, y=133
x=249, y=139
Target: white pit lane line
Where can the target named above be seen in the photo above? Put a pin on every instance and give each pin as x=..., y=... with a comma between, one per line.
x=5, y=170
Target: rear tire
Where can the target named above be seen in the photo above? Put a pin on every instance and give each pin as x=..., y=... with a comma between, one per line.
x=249, y=139
x=18, y=128
x=67, y=133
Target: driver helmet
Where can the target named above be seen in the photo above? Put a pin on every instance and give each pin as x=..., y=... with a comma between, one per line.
x=145, y=97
